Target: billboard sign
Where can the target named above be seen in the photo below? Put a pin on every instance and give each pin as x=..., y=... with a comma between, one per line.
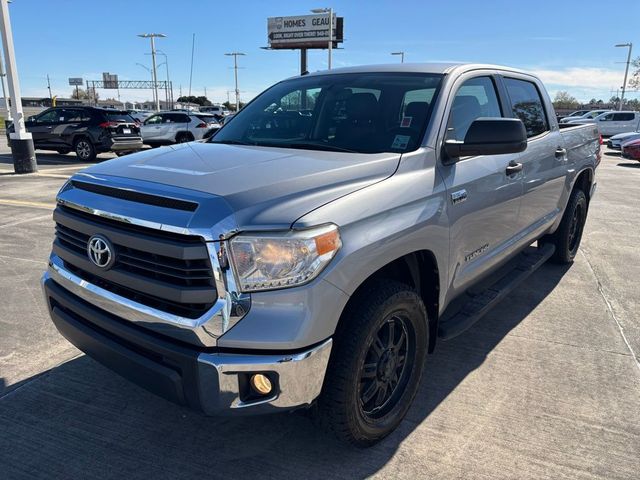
x=303, y=31
x=109, y=81
x=76, y=82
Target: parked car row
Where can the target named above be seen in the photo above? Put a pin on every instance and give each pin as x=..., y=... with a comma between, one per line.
x=88, y=131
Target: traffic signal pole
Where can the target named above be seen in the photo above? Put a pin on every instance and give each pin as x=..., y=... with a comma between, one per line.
x=24, y=157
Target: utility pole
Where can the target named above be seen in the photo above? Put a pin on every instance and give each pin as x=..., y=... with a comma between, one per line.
x=49, y=87
x=152, y=36
x=7, y=110
x=626, y=71
x=24, y=157
x=235, y=72
x=193, y=46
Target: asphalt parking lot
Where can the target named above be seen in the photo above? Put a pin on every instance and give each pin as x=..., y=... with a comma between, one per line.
x=547, y=385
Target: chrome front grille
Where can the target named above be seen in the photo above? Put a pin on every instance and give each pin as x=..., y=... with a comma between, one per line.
x=163, y=270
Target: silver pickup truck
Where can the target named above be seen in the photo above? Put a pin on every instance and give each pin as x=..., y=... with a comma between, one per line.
x=316, y=248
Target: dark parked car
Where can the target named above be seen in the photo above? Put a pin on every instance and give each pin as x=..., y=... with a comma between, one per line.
x=85, y=130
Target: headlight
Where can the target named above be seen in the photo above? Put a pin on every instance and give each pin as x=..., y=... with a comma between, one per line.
x=268, y=261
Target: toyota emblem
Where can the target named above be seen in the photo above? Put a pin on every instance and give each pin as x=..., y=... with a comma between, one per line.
x=100, y=251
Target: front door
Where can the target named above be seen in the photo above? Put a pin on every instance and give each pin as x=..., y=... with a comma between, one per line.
x=482, y=199
x=42, y=127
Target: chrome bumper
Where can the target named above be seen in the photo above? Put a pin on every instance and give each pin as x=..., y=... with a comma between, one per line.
x=213, y=382
x=299, y=380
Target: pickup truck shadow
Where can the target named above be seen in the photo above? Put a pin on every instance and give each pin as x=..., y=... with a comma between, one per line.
x=82, y=421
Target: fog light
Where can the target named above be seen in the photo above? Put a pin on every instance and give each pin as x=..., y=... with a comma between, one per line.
x=261, y=384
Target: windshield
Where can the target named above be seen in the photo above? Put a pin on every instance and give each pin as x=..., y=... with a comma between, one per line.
x=354, y=112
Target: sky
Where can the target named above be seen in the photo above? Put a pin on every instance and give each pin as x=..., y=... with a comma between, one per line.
x=568, y=43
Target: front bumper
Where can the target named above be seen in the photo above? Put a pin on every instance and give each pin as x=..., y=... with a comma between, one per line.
x=207, y=380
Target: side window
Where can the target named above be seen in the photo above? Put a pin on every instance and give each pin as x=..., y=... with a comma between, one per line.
x=73, y=115
x=623, y=117
x=527, y=105
x=153, y=120
x=475, y=98
x=606, y=118
x=52, y=116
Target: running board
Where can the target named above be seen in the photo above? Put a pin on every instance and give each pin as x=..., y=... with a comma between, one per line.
x=475, y=304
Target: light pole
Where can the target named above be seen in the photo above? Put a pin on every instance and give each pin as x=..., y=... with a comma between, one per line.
x=329, y=12
x=153, y=92
x=235, y=72
x=152, y=36
x=401, y=55
x=24, y=157
x=166, y=64
x=626, y=71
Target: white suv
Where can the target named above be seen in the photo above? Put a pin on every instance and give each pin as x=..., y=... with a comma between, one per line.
x=177, y=127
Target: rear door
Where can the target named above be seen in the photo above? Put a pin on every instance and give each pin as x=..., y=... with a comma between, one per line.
x=483, y=201
x=622, y=122
x=544, y=162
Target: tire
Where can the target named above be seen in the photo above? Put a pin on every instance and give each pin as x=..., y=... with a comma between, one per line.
x=568, y=235
x=184, y=138
x=364, y=363
x=84, y=149
x=63, y=151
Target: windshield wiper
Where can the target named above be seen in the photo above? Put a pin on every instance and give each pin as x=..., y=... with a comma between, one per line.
x=230, y=142
x=314, y=146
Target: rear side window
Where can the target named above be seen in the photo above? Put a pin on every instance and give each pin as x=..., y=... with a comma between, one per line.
x=623, y=117
x=475, y=98
x=175, y=118
x=527, y=105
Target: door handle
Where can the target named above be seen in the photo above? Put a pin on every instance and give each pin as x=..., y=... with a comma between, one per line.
x=561, y=153
x=513, y=168
x=49, y=127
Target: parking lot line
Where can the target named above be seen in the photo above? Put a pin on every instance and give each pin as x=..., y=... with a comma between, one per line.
x=25, y=220
x=23, y=203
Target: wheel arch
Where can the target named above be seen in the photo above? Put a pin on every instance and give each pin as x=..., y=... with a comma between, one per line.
x=417, y=269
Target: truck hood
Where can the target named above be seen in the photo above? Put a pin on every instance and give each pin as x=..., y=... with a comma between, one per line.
x=262, y=187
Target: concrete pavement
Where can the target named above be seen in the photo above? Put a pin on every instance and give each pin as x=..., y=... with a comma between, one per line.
x=545, y=386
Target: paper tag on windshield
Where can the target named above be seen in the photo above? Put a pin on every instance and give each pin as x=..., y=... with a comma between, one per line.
x=400, y=142
x=406, y=122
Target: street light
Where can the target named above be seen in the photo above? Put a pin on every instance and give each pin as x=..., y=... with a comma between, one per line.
x=235, y=72
x=153, y=93
x=626, y=71
x=401, y=55
x=329, y=12
x=152, y=36
x=166, y=64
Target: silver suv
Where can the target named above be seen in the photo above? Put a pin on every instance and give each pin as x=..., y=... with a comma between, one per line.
x=165, y=128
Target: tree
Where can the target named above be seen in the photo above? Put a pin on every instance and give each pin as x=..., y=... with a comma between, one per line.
x=634, y=81
x=202, y=100
x=81, y=94
x=564, y=100
x=231, y=106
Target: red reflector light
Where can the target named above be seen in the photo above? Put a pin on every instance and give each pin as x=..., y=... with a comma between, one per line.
x=201, y=125
x=601, y=142
x=108, y=124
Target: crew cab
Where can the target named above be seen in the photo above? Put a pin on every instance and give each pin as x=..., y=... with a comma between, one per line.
x=87, y=131
x=319, y=246
x=613, y=123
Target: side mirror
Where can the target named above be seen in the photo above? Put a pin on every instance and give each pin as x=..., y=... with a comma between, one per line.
x=489, y=136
